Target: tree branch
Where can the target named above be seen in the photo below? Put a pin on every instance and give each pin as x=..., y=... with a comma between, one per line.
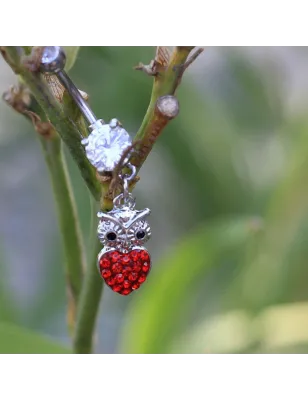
x=64, y=125
x=168, y=73
x=18, y=97
x=75, y=264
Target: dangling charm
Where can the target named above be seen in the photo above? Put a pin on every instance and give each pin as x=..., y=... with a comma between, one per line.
x=124, y=263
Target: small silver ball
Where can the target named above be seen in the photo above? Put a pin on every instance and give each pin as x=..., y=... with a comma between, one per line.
x=53, y=59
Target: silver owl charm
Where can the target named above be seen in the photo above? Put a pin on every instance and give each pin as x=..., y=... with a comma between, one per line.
x=124, y=263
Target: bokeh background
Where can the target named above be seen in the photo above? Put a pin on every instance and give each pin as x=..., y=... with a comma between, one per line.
x=228, y=189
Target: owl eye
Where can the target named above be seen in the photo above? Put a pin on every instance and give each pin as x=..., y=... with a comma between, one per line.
x=111, y=236
x=140, y=234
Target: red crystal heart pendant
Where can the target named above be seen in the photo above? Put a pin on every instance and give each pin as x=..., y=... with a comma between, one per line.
x=125, y=272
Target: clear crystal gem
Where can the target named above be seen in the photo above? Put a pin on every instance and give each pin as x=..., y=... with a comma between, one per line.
x=106, y=144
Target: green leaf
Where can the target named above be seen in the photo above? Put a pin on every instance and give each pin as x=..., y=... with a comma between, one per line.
x=16, y=340
x=157, y=311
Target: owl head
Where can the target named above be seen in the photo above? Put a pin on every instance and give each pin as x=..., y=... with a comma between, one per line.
x=124, y=228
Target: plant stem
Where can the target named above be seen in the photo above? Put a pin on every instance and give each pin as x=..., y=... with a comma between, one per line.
x=90, y=298
x=64, y=125
x=18, y=98
x=68, y=221
x=165, y=83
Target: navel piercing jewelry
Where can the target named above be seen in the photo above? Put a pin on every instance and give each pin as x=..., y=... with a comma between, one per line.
x=123, y=262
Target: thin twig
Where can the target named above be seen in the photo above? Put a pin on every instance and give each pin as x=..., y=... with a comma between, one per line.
x=183, y=67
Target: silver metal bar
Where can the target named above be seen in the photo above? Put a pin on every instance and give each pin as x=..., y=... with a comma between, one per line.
x=53, y=62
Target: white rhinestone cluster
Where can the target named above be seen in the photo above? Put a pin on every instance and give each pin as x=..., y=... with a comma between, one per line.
x=106, y=144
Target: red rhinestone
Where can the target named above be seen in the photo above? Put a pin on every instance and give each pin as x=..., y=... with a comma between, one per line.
x=106, y=273
x=144, y=255
x=117, y=288
x=127, y=270
x=125, y=259
x=133, y=276
x=134, y=255
x=125, y=292
x=115, y=256
x=142, y=278
x=137, y=268
x=126, y=284
x=119, y=278
x=136, y=286
x=110, y=281
x=116, y=268
x=145, y=268
x=104, y=262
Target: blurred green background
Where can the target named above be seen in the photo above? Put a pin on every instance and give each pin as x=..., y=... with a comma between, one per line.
x=227, y=186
